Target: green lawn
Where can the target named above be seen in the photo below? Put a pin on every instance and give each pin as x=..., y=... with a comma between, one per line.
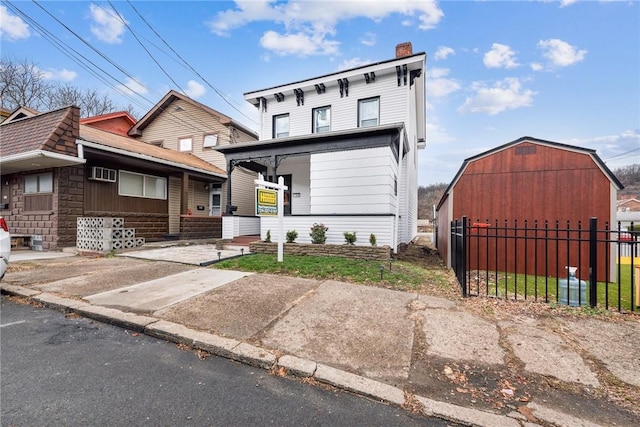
x=535, y=287
x=403, y=275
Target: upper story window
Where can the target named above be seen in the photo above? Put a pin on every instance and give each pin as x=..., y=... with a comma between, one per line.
x=281, y=126
x=210, y=140
x=185, y=144
x=368, y=112
x=321, y=119
x=141, y=185
x=39, y=183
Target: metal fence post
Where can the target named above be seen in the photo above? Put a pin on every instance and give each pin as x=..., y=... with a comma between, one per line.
x=593, y=262
x=464, y=256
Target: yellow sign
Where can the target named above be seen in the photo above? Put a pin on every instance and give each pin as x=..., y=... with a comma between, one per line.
x=266, y=202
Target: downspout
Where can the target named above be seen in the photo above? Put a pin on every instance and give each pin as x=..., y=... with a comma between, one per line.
x=398, y=181
x=80, y=150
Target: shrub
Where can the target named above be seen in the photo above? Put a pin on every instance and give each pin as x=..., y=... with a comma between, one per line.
x=268, y=238
x=318, y=233
x=372, y=239
x=292, y=235
x=349, y=237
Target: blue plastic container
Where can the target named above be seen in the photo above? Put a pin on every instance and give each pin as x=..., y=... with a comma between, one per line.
x=573, y=291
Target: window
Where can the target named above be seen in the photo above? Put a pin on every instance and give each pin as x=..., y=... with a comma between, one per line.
x=281, y=126
x=368, y=112
x=140, y=185
x=185, y=144
x=321, y=119
x=210, y=140
x=40, y=183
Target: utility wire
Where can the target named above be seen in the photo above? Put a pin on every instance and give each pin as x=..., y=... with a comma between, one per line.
x=119, y=17
x=224, y=98
x=82, y=61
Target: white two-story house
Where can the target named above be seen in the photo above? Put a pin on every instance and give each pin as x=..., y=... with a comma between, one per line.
x=347, y=146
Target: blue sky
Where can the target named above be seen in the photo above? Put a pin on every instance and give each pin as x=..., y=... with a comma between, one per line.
x=566, y=71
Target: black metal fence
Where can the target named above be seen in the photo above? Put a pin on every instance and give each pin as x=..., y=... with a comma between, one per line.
x=569, y=264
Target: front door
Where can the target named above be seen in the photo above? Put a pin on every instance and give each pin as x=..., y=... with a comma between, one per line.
x=215, y=199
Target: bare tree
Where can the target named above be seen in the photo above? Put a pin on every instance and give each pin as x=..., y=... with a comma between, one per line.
x=91, y=103
x=22, y=84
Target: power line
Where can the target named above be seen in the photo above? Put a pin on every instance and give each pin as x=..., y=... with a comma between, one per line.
x=224, y=98
x=119, y=17
x=82, y=61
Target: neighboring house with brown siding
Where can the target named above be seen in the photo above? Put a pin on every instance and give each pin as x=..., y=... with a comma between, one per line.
x=181, y=124
x=54, y=170
x=530, y=180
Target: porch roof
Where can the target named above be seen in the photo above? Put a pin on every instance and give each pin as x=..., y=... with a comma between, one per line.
x=352, y=139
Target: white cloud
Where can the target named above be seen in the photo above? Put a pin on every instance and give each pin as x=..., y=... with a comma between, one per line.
x=565, y=3
x=437, y=85
x=369, y=39
x=194, y=89
x=63, y=75
x=561, y=53
x=507, y=94
x=443, y=52
x=132, y=87
x=614, y=150
x=352, y=63
x=298, y=44
x=106, y=26
x=536, y=66
x=309, y=25
x=12, y=27
x=500, y=56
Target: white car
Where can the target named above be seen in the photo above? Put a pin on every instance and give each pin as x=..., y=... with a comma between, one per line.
x=5, y=247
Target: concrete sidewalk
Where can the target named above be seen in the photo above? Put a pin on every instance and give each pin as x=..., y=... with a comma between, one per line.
x=424, y=353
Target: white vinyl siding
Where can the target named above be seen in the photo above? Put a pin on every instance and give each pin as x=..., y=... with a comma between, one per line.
x=393, y=106
x=298, y=168
x=353, y=182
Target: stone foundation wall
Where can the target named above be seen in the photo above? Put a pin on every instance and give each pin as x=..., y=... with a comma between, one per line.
x=377, y=253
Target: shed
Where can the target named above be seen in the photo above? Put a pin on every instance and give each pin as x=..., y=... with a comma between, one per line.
x=529, y=179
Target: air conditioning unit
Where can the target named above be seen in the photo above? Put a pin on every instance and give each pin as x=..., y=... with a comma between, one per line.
x=97, y=173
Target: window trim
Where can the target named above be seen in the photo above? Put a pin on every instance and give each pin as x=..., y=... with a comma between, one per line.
x=275, y=120
x=143, y=175
x=314, y=125
x=184, y=138
x=37, y=176
x=360, y=102
x=204, y=140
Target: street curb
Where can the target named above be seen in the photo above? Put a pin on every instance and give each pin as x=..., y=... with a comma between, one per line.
x=472, y=417
x=261, y=358
x=360, y=385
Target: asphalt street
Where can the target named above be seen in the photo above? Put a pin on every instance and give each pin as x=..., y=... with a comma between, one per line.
x=71, y=371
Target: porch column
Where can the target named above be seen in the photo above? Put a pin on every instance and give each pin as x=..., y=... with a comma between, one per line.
x=184, y=198
x=229, y=209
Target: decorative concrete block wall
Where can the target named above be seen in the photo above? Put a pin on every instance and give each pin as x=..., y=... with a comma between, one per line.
x=103, y=234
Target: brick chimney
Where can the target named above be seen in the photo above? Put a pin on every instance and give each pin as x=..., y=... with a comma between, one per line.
x=404, y=49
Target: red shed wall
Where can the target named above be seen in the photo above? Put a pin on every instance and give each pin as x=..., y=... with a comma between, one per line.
x=546, y=183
